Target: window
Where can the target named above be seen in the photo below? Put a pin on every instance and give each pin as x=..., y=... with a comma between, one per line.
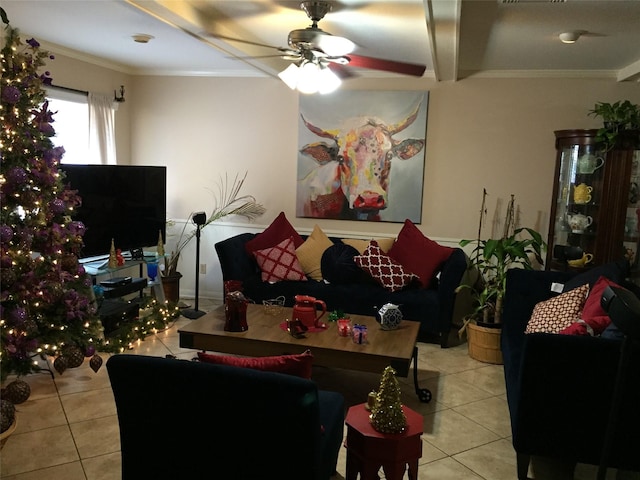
x=71, y=123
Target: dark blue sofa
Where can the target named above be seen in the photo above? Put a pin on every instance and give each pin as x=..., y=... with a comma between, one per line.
x=183, y=419
x=560, y=387
x=432, y=307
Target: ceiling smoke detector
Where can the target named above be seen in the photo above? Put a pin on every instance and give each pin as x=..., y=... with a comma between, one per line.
x=570, y=37
x=142, y=37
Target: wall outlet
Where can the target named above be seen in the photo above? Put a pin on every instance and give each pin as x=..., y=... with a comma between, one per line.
x=203, y=269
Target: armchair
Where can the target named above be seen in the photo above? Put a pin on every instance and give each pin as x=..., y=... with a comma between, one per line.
x=186, y=419
x=560, y=387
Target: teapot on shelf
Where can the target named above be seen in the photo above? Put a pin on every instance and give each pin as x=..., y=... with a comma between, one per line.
x=579, y=222
x=304, y=310
x=582, y=193
x=589, y=163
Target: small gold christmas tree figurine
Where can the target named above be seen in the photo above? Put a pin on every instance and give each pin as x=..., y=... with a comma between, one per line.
x=160, y=247
x=387, y=415
x=113, y=259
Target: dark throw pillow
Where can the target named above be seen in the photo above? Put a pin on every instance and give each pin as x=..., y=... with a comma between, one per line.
x=338, y=266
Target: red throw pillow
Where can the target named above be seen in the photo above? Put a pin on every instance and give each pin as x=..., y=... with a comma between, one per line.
x=419, y=254
x=389, y=274
x=299, y=365
x=280, y=263
x=279, y=230
x=593, y=315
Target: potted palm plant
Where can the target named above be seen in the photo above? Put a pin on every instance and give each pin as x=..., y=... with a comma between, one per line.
x=490, y=261
x=228, y=201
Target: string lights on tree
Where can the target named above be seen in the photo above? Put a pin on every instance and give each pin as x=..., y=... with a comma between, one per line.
x=48, y=310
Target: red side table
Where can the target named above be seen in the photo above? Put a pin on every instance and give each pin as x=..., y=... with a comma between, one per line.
x=368, y=449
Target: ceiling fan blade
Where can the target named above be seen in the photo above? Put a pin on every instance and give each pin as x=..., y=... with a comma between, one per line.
x=341, y=71
x=386, y=65
x=240, y=40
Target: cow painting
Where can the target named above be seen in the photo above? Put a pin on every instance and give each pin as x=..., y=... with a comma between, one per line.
x=352, y=172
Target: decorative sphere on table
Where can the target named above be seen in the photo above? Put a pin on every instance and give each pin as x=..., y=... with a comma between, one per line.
x=390, y=316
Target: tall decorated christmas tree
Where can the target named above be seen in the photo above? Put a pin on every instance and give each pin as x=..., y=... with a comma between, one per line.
x=46, y=302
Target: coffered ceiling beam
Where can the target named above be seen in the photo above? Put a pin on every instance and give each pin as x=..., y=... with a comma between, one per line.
x=443, y=24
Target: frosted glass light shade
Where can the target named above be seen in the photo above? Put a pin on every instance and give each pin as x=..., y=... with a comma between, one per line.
x=328, y=81
x=308, y=81
x=290, y=76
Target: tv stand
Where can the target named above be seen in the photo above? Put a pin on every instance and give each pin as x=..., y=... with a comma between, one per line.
x=114, y=309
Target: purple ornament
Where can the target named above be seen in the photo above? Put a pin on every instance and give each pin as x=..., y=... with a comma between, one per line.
x=90, y=351
x=16, y=176
x=77, y=228
x=33, y=42
x=10, y=94
x=6, y=233
x=18, y=316
x=57, y=205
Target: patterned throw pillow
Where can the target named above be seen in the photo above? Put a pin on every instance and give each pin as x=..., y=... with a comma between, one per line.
x=389, y=274
x=559, y=312
x=279, y=262
x=310, y=253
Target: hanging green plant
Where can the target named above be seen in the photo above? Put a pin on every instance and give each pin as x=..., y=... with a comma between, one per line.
x=618, y=120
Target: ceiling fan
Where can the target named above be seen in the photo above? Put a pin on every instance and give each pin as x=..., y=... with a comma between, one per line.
x=314, y=46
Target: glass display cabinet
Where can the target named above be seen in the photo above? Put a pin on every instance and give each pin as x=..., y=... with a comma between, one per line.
x=595, y=209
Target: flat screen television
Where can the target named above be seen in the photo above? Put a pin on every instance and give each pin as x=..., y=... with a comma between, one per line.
x=126, y=203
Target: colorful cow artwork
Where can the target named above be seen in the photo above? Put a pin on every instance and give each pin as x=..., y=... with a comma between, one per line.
x=351, y=177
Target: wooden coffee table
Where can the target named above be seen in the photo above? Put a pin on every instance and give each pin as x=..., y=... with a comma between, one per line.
x=265, y=337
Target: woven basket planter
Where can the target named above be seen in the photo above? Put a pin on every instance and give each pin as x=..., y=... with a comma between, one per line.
x=484, y=343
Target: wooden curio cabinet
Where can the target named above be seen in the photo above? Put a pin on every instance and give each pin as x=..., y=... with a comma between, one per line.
x=596, y=200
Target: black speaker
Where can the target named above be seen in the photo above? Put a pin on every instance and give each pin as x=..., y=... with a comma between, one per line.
x=199, y=218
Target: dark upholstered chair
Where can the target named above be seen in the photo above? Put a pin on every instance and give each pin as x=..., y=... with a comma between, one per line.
x=560, y=387
x=183, y=419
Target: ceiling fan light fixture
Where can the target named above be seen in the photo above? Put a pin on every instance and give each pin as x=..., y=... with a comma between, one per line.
x=570, y=37
x=309, y=78
x=328, y=81
x=290, y=76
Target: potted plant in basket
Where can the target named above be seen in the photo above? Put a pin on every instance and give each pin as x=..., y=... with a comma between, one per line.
x=227, y=202
x=620, y=119
x=490, y=261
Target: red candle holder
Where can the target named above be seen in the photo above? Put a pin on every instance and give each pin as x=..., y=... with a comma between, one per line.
x=344, y=327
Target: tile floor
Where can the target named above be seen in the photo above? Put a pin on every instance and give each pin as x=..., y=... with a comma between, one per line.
x=68, y=428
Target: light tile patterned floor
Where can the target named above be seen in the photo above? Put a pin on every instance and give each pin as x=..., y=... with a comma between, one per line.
x=68, y=428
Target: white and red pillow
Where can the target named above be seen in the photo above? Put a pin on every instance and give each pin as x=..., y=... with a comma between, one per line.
x=390, y=274
x=280, y=262
x=557, y=313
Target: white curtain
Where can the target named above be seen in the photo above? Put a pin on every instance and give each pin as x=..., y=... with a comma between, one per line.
x=102, y=128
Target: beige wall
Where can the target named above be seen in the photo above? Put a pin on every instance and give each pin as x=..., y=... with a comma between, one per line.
x=481, y=133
